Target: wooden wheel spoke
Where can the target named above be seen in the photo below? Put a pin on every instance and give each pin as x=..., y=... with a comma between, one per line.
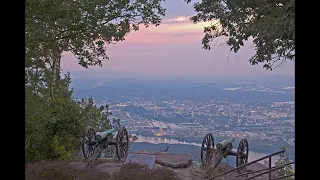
x=242, y=154
x=122, y=143
x=87, y=147
x=206, y=149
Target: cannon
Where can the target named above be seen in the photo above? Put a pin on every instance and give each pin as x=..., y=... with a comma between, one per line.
x=94, y=143
x=212, y=155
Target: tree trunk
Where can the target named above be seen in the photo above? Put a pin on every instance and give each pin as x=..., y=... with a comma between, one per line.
x=53, y=69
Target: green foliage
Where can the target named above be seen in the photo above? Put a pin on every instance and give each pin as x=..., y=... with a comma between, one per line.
x=271, y=25
x=287, y=170
x=284, y=159
x=55, y=120
x=62, y=147
x=54, y=128
x=59, y=170
x=83, y=27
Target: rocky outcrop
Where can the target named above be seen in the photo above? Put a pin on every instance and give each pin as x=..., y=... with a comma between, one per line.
x=107, y=165
x=181, y=164
x=172, y=160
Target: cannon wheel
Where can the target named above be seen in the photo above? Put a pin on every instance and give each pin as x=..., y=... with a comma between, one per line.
x=207, y=149
x=88, y=146
x=122, y=143
x=97, y=152
x=242, y=154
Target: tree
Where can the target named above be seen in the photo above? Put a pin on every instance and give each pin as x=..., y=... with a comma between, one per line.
x=271, y=25
x=83, y=27
x=53, y=130
x=286, y=170
x=55, y=120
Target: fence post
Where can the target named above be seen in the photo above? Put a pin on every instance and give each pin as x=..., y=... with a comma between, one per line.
x=270, y=168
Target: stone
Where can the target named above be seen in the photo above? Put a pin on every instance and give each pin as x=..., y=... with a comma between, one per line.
x=171, y=159
x=110, y=167
x=107, y=165
x=174, y=160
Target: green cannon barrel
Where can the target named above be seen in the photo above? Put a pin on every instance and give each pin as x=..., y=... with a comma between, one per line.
x=223, y=144
x=105, y=133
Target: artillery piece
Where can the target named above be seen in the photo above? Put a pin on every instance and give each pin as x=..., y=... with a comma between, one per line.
x=222, y=150
x=94, y=143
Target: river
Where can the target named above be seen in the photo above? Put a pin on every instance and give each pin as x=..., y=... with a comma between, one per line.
x=191, y=147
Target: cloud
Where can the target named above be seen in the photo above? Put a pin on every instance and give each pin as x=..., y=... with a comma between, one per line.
x=175, y=34
x=177, y=20
x=174, y=48
x=173, y=30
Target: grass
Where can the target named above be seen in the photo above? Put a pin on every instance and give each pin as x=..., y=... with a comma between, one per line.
x=200, y=172
x=58, y=170
x=213, y=172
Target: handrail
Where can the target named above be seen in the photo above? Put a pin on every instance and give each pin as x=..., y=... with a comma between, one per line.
x=252, y=162
x=270, y=170
x=252, y=172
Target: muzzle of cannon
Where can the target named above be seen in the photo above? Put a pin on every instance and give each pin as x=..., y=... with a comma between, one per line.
x=223, y=144
x=102, y=135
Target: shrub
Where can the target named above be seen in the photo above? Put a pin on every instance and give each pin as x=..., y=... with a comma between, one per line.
x=62, y=170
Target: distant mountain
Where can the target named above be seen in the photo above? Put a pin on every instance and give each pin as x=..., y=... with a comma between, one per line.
x=124, y=91
x=116, y=76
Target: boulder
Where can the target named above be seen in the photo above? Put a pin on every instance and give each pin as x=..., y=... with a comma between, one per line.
x=171, y=159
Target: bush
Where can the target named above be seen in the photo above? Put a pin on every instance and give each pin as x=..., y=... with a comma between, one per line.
x=62, y=170
x=134, y=171
x=45, y=170
x=54, y=128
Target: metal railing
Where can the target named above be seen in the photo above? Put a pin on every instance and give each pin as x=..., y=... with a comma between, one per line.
x=268, y=170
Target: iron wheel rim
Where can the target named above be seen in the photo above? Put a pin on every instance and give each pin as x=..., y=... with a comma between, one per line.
x=88, y=146
x=122, y=144
x=242, y=155
x=207, y=146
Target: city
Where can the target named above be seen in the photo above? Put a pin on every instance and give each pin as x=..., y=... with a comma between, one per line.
x=268, y=121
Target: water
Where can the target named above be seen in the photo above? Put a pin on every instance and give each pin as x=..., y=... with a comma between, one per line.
x=159, y=143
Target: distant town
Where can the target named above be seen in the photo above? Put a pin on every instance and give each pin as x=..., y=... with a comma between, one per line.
x=188, y=118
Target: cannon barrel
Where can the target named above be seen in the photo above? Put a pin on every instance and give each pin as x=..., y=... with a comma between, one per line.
x=105, y=133
x=223, y=144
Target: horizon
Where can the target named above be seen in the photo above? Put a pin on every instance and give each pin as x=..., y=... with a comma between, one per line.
x=174, y=50
x=98, y=76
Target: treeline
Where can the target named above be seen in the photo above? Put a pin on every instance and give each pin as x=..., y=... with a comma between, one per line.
x=55, y=120
x=54, y=127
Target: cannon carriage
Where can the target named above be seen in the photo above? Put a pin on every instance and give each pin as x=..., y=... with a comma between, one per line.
x=94, y=143
x=212, y=155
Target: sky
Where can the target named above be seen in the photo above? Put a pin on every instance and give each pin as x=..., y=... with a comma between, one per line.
x=174, y=49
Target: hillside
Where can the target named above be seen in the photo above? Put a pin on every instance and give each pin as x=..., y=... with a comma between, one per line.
x=168, y=166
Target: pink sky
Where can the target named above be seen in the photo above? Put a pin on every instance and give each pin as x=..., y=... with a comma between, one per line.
x=174, y=48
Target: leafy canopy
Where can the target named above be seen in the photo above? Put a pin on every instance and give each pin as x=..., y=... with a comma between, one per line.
x=83, y=27
x=270, y=23
x=55, y=120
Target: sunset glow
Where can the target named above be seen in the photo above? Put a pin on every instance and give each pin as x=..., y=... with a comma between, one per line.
x=174, y=48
